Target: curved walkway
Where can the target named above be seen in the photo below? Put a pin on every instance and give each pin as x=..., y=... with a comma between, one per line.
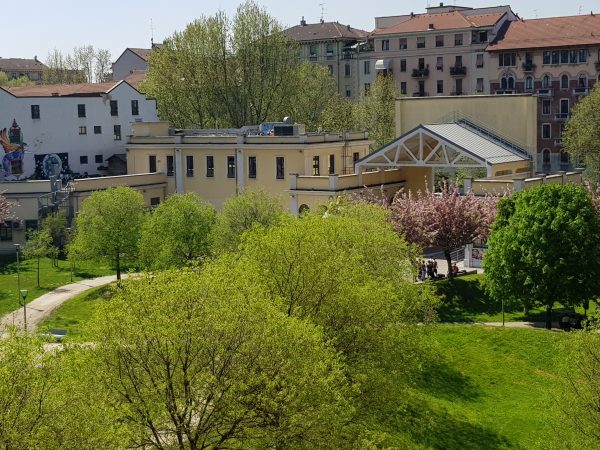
x=43, y=306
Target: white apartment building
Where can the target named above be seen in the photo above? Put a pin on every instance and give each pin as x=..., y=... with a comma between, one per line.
x=68, y=128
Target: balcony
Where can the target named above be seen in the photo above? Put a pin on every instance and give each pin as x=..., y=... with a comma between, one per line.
x=420, y=94
x=420, y=72
x=528, y=67
x=458, y=71
x=545, y=92
x=581, y=91
x=440, y=67
x=562, y=116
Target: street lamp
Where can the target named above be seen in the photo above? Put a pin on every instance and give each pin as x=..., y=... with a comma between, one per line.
x=23, y=294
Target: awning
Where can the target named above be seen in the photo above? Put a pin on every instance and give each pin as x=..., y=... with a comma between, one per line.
x=382, y=64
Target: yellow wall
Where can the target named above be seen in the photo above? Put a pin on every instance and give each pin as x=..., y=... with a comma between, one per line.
x=512, y=116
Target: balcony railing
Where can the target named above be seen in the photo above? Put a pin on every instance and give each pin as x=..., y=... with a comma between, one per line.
x=420, y=72
x=562, y=116
x=458, y=71
x=420, y=94
x=313, y=57
x=545, y=92
x=349, y=55
x=528, y=67
x=581, y=91
x=440, y=67
x=457, y=93
x=504, y=91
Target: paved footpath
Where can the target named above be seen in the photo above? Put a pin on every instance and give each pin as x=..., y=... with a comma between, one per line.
x=43, y=306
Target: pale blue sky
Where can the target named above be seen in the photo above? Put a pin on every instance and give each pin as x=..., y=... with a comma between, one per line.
x=36, y=27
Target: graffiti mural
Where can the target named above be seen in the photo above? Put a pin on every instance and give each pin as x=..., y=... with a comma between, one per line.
x=14, y=155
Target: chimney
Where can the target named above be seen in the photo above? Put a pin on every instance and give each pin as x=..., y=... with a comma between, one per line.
x=412, y=14
x=441, y=4
x=303, y=22
x=35, y=58
x=348, y=26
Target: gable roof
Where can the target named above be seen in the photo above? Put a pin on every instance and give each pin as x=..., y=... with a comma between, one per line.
x=549, y=32
x=64, y=90
x=20, y=64
x=135, y=78
x=323, y=31
x=143, y=53
x=442, y=21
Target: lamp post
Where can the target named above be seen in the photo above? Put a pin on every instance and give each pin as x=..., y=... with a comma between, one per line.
x=17, y=249
x=23, y=294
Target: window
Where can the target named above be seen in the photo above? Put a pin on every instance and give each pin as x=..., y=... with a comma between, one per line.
x=529, y=83
x=312, y=51
x=280, y=167
x=458, y=87
x=329, y=49
x=231, y=167
x=151, y=163
x=440, y=86
x=402, y=65
x=421, y=42
x=573, y=56
x=16, y=166
x=81, y=110
x=35, y=111
x=421, y=63
x=367, y=88
x=330, y=68
x=114, y=108
x=403, y=43
x=348, y=91
x=355, y=157
x=583, y=55
x=507, y=82
x=135, y=108
x=385, y=44
x=564, y=107
x=546, y=82
x=483, y=36
x=189, y=166
x=479, y=61
x=546, y=57
x=367, y=67
x=170, y=165
x=347, y=72
x=6, y=231
x=458, y=39
x=582, y=81
x=403, y=87
x=507, y=59
x=564, y=56
x=316, y=166
x=117, y=132
x=83, y=159
x=479, y=85
x=439, y=65
x=331, y=169
x=546, y=134
x=98, y=159
x=210, y=166
x=82, y=130
x=564, y=82
x=439, y=40
x=555, y=57
x=458, y=61
x=154, y=201
x=546, y=107
x=528, y=58
x=97, y=129
x=251, y=166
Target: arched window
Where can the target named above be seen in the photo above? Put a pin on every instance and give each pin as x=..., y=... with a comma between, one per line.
x=511, y=82
x=546, y=166
x=503, y=83
x=564, y=157
x=529, y=83
x=582, y=81
x=564, y=82
x=546, y=82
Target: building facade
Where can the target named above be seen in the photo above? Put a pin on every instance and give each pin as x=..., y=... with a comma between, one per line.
x=67, y=129
x=335, y=46
x=130, y=61
x=441, y=52
x=21, y=67
x=557, y=60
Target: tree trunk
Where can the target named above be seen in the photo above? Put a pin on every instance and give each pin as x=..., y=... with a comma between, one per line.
x=38, y=274
x=449, y=261
x=548, y=317
x=118, y=267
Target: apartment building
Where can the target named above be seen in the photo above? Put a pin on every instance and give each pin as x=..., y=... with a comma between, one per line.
x=68, y=129
x=334, y=46
x=441, y=52
x=132, y=60
x=22, y=67
x=556, y=59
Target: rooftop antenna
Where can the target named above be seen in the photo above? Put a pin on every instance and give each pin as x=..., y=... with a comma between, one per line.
x=322, y=5
x=151, y=33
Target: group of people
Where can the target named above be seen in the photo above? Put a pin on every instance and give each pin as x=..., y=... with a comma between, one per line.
x=427, y=269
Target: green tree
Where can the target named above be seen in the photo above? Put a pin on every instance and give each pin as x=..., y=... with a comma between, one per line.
x=108, y=226
x=337, y=115
x=544, y=248
x=196, y=360
x=376, y=112
x=56, y=226
x=253, y=208
x=177, y=232
x=580, y=136
x=39, y=245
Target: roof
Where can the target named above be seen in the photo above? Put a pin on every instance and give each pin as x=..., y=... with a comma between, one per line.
x=323, y=31
x=63, y=90
x=143, y=53
x=442, y=21
x=480, y=146
x=20, y=64
x=135, y=78
x=549, y=32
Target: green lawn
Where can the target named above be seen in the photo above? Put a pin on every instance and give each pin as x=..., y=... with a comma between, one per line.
x=73, y=315
x=50, y=278
x=493, y=388
x=465, y=300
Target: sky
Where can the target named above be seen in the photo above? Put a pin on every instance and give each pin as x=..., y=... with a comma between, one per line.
x=116, y=25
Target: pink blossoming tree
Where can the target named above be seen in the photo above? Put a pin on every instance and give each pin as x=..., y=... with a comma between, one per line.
x=5, y=207
x=446, y=219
